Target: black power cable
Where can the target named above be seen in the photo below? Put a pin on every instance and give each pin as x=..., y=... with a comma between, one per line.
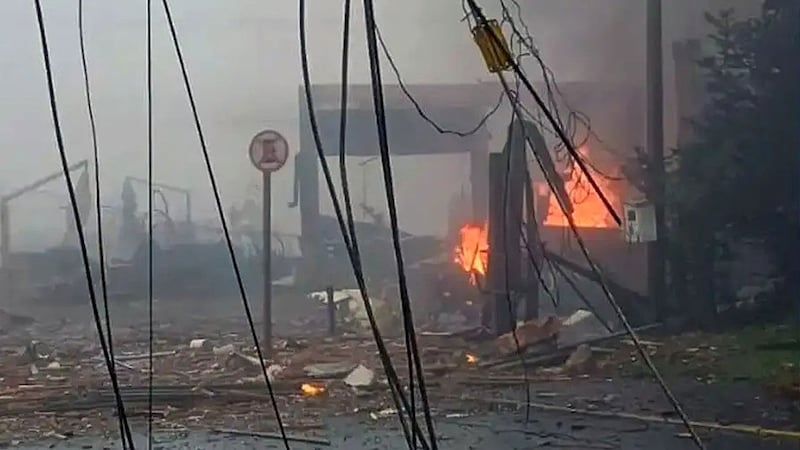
x=220, y=210
x=351, y=244
x=606, y=291
x=418, y=107
x=383, y=142
x=124, y=427
x=481, y=19
x=472, y=131
x=476, y=11
x=78, y=225
x=348, y=206
x=150, y=340
x=409, y=358
x=526, y=41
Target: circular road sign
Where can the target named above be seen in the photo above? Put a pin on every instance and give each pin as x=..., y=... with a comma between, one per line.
x=268, y=151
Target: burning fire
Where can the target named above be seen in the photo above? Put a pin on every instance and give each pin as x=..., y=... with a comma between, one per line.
x=471, y=359
x=472, y=252
x=588, y=209
x=312, y=390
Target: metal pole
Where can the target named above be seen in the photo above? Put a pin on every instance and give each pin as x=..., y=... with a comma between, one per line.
x=655, y=142
x=331, y=311
x=266, y=211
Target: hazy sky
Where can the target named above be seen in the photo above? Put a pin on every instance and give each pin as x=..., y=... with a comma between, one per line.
x=244, y=65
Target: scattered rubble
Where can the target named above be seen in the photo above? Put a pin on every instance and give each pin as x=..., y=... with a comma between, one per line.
x=212, y=379
x=328, y=370
x=527, y=335
x=227, y=349
x=360, y=377
x=580, y=360
x=197, y=344
x=350, y=309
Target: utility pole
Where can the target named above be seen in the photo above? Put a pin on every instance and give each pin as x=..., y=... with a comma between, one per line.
x=656, y=251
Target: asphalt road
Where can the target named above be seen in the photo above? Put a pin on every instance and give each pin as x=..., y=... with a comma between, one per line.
x=488, y=431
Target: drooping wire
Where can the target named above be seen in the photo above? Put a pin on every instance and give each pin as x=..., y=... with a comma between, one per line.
x=343, y=149
x=150, y=195
x=442, y=130
x=221, y=212
x=481, y=19
x=383, y=144
x=343, y=174
x=78, y=223
x=422, y=112
x=406, y=336
x=606, y=291
x=124, y=427
x=348, y=206
x=351, y=244
x=551, y=118
x=574, y=117
x=502, y=96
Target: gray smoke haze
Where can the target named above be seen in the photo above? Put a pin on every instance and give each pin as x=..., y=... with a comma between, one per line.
x=244, y=65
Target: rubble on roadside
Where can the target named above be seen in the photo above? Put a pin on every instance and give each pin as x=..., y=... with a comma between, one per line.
x=213, y=378
x=351, y=310
x=528, y=334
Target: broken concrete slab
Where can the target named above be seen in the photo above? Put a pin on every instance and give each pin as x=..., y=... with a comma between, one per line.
x=580, y=361
x=360, y=377
x=224, y=350
x=528, y=334
x=328, y=370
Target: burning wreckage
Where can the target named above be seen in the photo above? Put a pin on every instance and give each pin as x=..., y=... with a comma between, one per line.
x=450, y=275
x=461, y=287
x=464, y=276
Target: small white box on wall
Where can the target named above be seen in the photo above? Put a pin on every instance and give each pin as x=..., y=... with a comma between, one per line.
x=639, y=224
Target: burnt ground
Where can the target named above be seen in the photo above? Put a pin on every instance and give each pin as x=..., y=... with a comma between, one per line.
x=474, y=423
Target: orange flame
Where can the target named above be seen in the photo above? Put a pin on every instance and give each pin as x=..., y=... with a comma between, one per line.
x=471, y=359
x=311, y=390
x=472, y=252
x=588, y=209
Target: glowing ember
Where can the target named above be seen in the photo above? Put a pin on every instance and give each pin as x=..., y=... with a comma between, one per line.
x=472, y=252
x=471, y=359
x=311, y=390
x=589, y=210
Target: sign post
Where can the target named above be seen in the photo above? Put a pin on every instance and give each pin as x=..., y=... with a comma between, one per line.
x=268, y=153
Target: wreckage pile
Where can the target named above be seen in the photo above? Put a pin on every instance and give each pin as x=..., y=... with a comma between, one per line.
x=67, y=381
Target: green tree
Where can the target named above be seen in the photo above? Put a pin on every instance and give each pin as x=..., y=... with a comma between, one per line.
x=740, y=178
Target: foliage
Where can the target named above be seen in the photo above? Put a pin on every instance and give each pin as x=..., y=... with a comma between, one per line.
x=765, y=354
x=740, y=177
